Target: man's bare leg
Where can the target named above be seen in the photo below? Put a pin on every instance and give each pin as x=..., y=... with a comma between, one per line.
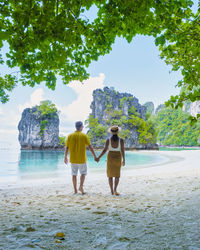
x=74, y=180
x=82, y=179
x=116, y=184
x=110, y=180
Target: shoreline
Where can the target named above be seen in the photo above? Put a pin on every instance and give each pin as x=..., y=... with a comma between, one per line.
x=127, y=149
x=26, y=181
x=41, y=177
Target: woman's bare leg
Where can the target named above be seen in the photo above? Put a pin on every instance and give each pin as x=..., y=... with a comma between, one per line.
x=116, y=184
x=110, y=180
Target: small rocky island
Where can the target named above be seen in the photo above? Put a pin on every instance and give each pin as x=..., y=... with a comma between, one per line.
x=39, y=127
x=110, y=107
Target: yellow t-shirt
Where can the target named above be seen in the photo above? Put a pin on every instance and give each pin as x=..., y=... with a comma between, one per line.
x=77, y=142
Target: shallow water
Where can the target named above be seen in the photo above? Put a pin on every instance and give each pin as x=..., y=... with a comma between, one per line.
x=178, y=148
x=17, y=163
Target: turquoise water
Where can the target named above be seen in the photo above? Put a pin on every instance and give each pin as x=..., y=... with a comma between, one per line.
x=177, y=148
x=38, y=164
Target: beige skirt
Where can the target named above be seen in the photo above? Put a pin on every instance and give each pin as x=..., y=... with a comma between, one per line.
x=114, y=161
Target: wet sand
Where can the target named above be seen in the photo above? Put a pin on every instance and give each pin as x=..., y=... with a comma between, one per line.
x=158, y=209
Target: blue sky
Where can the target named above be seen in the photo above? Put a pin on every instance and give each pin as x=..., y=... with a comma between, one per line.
x=134, y=68
x=137, y=68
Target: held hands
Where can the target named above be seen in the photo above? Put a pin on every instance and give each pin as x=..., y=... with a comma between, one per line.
x=96, y=159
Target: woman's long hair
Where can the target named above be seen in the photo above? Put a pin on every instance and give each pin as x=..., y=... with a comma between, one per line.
x=115, y=137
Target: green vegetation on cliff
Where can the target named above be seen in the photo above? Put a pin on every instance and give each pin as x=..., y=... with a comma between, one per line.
x=62, y=140
x=174, y=128
x=140, y=127
x=96, y=130
x=145, y=129
x=45, y=110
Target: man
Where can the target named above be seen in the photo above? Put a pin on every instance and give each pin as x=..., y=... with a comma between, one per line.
x=76, y=144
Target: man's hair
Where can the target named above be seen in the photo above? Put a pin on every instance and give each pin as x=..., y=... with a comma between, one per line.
x=78, y=125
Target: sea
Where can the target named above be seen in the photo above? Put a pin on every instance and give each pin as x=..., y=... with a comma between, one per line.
x=17, y=165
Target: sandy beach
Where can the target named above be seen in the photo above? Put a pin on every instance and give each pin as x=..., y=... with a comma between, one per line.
x=158, y=209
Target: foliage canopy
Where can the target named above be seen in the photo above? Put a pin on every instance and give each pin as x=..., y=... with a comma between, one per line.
x=181, y=49
x=55, y=37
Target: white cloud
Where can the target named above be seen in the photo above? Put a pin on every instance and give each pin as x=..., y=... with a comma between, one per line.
x=10, y=118
x=35, y=99
x=10, y=131
x=80, y=108
x=9, y=138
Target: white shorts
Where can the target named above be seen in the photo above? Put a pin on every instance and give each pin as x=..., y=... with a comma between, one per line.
x=81, y=167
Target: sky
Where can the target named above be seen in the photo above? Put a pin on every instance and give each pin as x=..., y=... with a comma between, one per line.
x=134, y=68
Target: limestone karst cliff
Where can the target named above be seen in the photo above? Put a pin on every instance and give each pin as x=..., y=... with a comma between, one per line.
x=110, y=107
x=37, y=131
x=150, y=107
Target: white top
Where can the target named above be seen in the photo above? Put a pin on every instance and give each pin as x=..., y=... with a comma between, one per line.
x=110, y=148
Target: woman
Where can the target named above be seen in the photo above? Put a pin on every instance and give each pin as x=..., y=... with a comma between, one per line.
x=115, y=157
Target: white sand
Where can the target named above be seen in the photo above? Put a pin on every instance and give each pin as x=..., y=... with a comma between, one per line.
x=159, y=208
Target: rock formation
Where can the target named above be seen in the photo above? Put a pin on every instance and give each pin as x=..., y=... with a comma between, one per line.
x=110, y=106
x=31, y=133
x=149, y=107
x=160, y=107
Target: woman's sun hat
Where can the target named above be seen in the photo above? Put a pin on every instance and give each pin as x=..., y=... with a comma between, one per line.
x=114, y=129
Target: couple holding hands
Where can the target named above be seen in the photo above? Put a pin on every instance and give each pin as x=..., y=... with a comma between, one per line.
x=76, y=144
